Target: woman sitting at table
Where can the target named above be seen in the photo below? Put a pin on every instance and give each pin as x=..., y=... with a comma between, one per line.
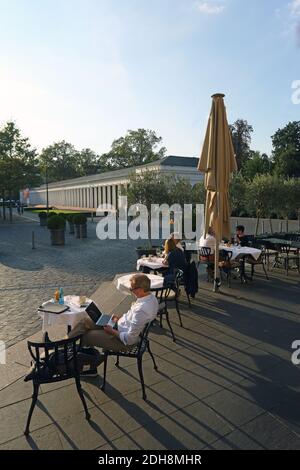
x=175, y=259
x=172, y=242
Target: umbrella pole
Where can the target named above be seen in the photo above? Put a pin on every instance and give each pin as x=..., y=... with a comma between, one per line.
x=217, y=280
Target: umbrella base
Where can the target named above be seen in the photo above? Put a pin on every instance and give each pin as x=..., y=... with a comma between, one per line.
x=217, y=284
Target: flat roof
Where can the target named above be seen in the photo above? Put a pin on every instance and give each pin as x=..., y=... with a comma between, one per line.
x=170, y=160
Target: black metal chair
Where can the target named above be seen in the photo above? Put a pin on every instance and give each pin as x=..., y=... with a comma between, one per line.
x=54, y=361
x=227, y=265
x=167, y=294
x=285, y=256
x=261, y=261
x=205, y=258
x=136, y=352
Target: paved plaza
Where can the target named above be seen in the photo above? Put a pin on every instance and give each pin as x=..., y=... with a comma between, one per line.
x=226, y=383
x=31, y=276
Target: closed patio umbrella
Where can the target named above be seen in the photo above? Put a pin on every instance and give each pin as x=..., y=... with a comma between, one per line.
x=217, y=162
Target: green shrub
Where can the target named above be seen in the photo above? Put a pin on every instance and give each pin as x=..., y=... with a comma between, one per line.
x=43, y=215
x=56, y=222
x=70, y=218
x=80, y=219
x=51, y=214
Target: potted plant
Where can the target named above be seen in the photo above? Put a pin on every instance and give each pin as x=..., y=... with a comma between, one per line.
x=80, y=225
x=70, y=219
x=43, y=218
x=56, y=224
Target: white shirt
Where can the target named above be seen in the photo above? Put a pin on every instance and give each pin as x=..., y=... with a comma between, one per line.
x=130, y=325
x=209, y=242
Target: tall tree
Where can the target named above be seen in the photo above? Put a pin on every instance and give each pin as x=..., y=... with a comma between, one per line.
x=136, y=148
x=258, y=164
x=241, y=139
x=60, y=161
x=18, y=162
x=286, y=150
x=88, y=163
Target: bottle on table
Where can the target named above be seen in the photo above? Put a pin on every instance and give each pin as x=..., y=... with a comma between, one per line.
x=56, y=295
x=61, y=296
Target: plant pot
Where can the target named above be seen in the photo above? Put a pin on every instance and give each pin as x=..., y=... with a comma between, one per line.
x=72, y=228
x=57, y=237
x=140, y=251
x=81, y=231
x=43, y=221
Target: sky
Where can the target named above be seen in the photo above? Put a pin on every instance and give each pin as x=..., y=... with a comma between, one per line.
x=86, y=71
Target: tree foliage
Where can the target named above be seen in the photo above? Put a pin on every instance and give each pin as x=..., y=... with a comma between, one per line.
x=136, y=148
x=18, y=161
x=286, y=150
x=241, y=139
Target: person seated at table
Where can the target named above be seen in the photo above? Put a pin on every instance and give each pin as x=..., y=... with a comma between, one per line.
x=208, y=241
x=241, y=238
x=175, y=259
x=129, y=325
x=172, y=242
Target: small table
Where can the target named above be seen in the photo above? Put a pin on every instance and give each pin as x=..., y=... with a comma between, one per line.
x=279, y=241
x=70, y=317
x=123, y=283
x=239, y=251
x=153, y=262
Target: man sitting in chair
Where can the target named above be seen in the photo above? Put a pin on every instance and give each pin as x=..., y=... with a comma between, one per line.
x=129, y=325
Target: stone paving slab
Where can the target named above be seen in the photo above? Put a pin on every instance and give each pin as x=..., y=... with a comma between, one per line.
x=227, y=382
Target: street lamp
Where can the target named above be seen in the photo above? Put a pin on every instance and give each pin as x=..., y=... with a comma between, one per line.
x=47, y=192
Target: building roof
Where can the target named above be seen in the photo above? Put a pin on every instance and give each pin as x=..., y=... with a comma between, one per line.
x=173, y=160
x=170, y=160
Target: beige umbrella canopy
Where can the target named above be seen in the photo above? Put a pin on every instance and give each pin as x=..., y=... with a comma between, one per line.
x=217, y=161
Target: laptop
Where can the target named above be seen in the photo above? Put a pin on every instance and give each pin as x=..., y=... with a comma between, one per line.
x=50, y=307
x=99, y=318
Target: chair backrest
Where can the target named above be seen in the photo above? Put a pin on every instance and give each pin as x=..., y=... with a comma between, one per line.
x=50, y=355
x=225, y=255
x=205, y=251
x=284, y=249
x=144, y=335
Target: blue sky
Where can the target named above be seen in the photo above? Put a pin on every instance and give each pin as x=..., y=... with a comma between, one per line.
x=88, y=70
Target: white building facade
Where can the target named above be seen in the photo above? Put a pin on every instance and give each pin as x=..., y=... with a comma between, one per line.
x=89, y=192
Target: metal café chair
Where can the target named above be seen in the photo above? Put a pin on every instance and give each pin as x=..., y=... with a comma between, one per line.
x=136, y=352
x=54, y=361
x=204, y=258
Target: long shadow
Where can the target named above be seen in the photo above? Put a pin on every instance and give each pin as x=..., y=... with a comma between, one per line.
x=68, y=439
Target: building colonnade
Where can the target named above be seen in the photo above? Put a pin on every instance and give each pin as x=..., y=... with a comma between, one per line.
x=85, y=196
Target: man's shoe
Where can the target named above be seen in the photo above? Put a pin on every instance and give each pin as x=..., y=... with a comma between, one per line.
x=89, y=373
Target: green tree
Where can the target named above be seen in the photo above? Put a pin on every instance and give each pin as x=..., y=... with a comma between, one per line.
x=265, y=195
x=286, y=150
x=60, y=159
x=148, y=187
x=199, y=193
x=18, y=162
x=88, y=163
x=241, y=139
x=237, y=194
x=180, y=191
x=136, y=148
x=258, y=164
x=289, y=206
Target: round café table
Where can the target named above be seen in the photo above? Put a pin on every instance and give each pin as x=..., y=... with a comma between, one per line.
x=122, y=283
x=69, y=318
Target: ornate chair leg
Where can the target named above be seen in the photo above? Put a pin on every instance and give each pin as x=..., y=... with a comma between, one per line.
x=169, y=324
x=79, y=390
x=104, y=372
x=152, y=357
x=33, y=403
x=140, y=368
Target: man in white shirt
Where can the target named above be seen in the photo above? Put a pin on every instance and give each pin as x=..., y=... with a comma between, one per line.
x=209, y=241
x=129, y=325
